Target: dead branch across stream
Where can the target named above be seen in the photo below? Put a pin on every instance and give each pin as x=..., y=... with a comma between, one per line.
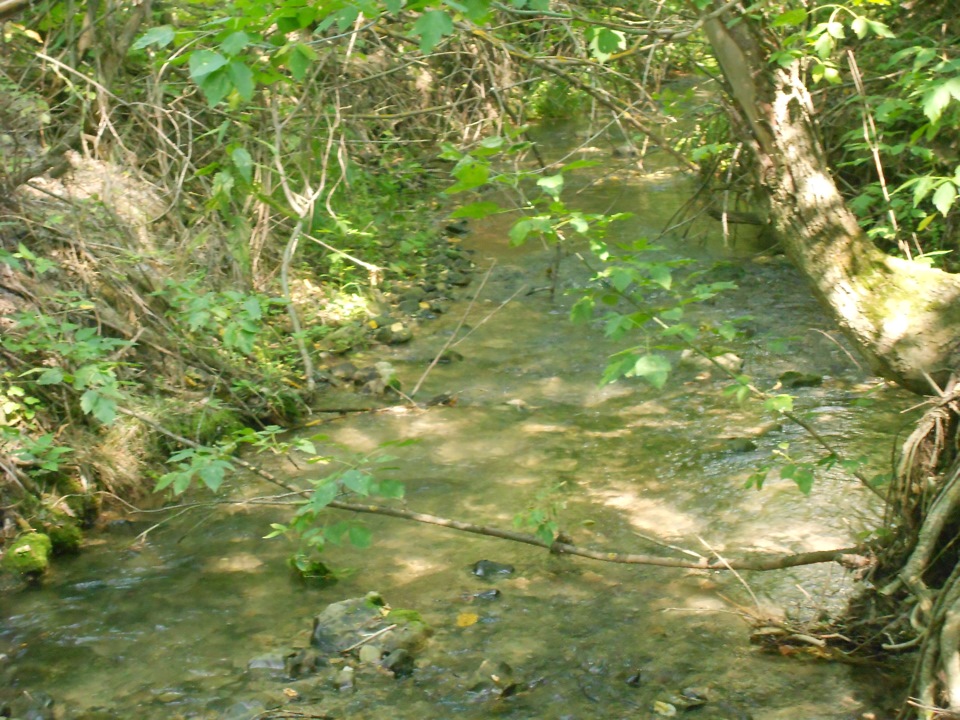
x=853, y=557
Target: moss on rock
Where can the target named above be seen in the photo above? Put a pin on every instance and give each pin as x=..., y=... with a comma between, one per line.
x=29, y=554
x=65, y=538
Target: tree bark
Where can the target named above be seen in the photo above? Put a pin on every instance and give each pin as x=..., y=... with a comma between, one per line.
x=904, y=316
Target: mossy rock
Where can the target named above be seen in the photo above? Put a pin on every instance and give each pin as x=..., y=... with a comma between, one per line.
x=84, y=505
x=65, y=538
x=29, y=554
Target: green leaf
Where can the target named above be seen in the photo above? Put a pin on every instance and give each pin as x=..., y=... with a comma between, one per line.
x=605, y=42
x=251, y=306
x=655, y=369
x=470, y=175
x=431, y=27
x=359, y=536
x=216, y=86
x=103, y=408
x=203, y=63
x=552, y=185
x=277, y=530
x=661, y=275
x=392, y=489
x=938, y=97
x=235, y=42
x=356, y=481
x=212, y=473
x=860, y=26
x=944, y=196
x=298, y=61
x=244, y=163
x=791, y=17
x=50, y=376
x=582, y=310
x=757, y=479
x=160, y=36
x=476, y=210
x=518, y=233
x=323, y=495
x=803, y=477
x=779, y=403
x=241, y=77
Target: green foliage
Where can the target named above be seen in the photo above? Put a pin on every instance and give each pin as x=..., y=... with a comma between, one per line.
x=235, y=320
x=543, y=517
x=354, y=476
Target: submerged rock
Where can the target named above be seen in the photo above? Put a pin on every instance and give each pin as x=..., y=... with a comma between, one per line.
x=729, y=361
x=491, y=569
x=351, y=625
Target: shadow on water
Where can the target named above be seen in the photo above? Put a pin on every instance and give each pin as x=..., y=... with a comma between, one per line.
x=169, y=629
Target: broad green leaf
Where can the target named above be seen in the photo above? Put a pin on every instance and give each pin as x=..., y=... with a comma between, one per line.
x=860, y=26
x=356, y=481
x=251, y=306
x=359, y=536
x=582, y=310
x=393, y=489
x=212, y=474
x=937, y=98
x=944, y=197
x=160, y=36
x=431, y=27
x=235, y=42
x=824, y=45
x=103, y=408
x=792, y=17
x=605, y=42
x=803, y=477
x=518, y=233
x=880, y=29
x=655, y=369
x=552, y=185
x=835, y=29
x=298, y=62
x=922, y=188
x=470, y=175
x=216, y=86
x=203, y=63
x=50, y=376
x=322, y=496
x=476, y=210
x=244, y=163
x=779, y=403
x=661, y=275
x=241, y=77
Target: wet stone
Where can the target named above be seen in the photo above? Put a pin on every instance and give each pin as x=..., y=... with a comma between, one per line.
x=491, y=569
x=794, y=379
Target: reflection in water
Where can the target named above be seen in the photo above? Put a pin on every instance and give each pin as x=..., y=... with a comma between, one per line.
x=168, y=630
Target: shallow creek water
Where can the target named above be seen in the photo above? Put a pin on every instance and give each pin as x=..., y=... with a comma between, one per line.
x=168, y=630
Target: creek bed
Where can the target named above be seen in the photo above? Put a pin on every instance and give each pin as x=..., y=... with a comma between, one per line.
x=168, y=629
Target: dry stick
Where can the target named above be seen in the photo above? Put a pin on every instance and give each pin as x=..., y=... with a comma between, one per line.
x=737, y=575
x=456, y=330
x=758, y=561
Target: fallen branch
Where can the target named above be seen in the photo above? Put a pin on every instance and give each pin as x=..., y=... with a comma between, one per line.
x=849, y=557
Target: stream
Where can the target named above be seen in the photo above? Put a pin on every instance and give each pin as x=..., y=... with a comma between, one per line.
x=190, y=624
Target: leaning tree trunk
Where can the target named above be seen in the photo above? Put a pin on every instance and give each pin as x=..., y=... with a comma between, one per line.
x=903, y=316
